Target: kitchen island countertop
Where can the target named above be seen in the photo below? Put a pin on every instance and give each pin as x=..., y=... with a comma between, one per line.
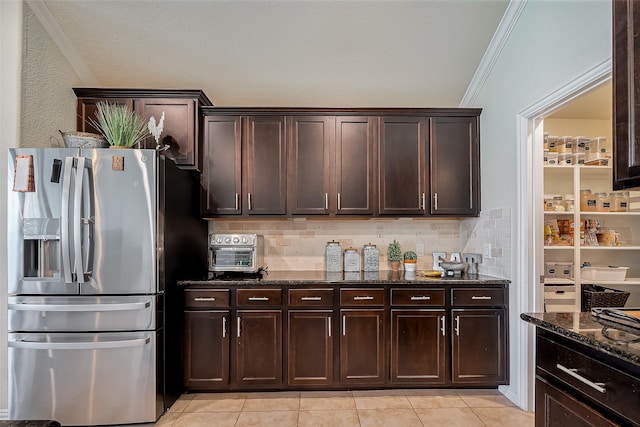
x=584, y=328
x=363, y=278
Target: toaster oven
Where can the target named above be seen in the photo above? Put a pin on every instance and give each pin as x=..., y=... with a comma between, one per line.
x=235, y=252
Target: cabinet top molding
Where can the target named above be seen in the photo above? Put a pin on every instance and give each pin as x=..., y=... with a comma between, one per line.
x=94, y=92
x=342, y=111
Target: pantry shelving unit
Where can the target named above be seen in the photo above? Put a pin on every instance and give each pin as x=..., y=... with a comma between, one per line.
x=564, y=293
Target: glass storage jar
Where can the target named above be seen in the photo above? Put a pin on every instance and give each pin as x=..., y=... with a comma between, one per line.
x=588, y=201
x=620, y=201
x=569, y=202
x=603, y=202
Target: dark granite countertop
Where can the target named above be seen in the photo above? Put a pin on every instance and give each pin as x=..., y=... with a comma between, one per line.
x=586, y=329
x=299, y=277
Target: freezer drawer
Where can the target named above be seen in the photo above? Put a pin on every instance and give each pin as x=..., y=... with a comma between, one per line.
x=84, y=379
x=84, y=314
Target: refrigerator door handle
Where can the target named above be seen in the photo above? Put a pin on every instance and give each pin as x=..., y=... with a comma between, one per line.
x=77, y=220
x=78, y=307
x=65, y=219
x=38, y=345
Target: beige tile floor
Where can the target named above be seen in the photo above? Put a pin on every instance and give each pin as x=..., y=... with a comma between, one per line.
x=406, y=408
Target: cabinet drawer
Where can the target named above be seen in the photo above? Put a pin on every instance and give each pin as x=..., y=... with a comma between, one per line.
x=612, y=389
x=361, y=296
x=425, y=296
x=206, y=298
x=262, y=297
x=477, y=296
x=310, y=297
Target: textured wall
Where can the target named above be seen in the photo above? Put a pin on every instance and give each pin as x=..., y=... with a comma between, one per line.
x=48, y=102
x=300, y=243
x=493, y=227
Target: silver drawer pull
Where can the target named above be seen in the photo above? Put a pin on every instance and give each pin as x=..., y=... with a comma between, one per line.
x=476, y=297
x=204, y=299
x=311, y=298
x=420, y=298
x=363, y=298
x=574, y=373
x=258, y=298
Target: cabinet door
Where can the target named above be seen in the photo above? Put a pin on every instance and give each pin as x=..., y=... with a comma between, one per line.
x=556, y=408
x=221, y=177
x=259, y=347
x=402, y=188
x=310, y=347
x=455, y=166
x=479, y=351
x=626, y=82
x=354, y=160
x=310, y=147
x=87, y=111
x=179, y=127
x=266, y=166
x=362, y=347
x=418, y=348
x=206, y=349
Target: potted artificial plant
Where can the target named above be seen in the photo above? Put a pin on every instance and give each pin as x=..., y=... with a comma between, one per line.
x=410, y=260
x=394, y=255
x=121, y=127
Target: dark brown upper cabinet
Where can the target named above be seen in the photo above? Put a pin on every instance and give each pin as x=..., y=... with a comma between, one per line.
x=354, y=157
x=222, y=166
x=455, y=166
x=310, y=147
x=403, y=165
x=181, y=122
x=266, y=166
x=626, y=94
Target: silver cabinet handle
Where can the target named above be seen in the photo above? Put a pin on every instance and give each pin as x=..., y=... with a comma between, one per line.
x=238, y=319
x=420, y=298
x=344, y=325
x=423, y=205
x=457, y=328
x=311, y=299
x=204, y=299
x=329, y=325
x=258, y=298
x=362, y=298
x=442, y=328
x=435, y=201
x=480, y=297
x=339, y=201
x=237, y=201
x=574, y=373
x=224, y=326
x=326, y=201
x=249, y=200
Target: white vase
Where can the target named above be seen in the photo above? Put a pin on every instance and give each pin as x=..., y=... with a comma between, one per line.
x=409, y=266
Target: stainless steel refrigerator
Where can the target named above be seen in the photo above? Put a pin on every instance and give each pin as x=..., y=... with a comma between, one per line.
x=97, y=239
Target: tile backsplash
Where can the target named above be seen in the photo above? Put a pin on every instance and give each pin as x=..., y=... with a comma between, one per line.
x=300, y=243
x=493, y=227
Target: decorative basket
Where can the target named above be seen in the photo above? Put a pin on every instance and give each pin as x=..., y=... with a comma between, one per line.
x=604, y=273
x=599, y=296
x=83, y=140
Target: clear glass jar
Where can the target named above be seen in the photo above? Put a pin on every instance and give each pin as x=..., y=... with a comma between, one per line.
x=603, y=202
x=557, y=204
x=620, y=201
x=588, y=202
x=569, y=202
x=552, y=144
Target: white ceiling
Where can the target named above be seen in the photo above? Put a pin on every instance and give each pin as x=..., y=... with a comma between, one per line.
x=293, y=53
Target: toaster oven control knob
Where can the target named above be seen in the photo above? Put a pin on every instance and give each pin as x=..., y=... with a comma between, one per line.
x=219, y=240
x=227, y=240
x=236, y=240
x=245, y=240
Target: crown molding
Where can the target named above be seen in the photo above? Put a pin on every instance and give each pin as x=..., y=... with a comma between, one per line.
x=57, y=34
x=491, y=55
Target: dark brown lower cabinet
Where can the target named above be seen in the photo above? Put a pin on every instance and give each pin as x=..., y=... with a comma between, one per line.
x=206, y=363
x=310, y=347
x=418, y=348
x=478, y=346
x=556, y=408
x=258, y=344
x=362, y=347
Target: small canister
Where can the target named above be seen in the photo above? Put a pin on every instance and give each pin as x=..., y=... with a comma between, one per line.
x=370, y=258
x=333, y=256
x=351, y=260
